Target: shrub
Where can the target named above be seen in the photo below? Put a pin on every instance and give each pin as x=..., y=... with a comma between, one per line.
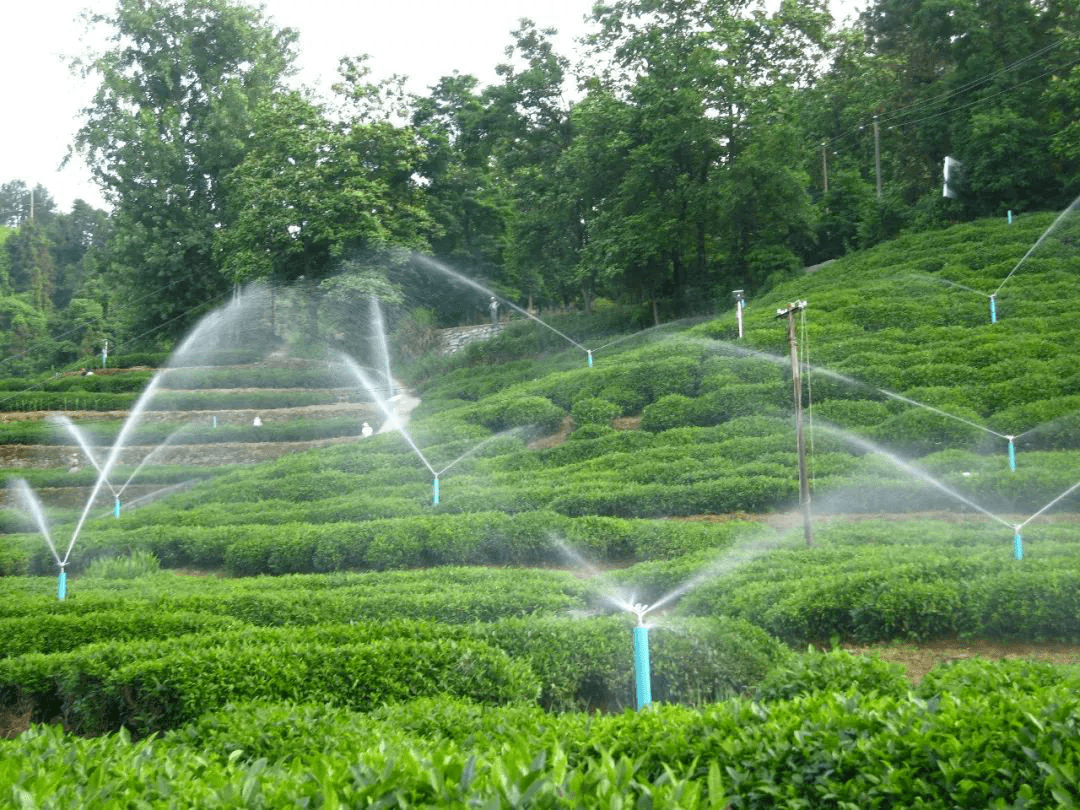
x=673, y=410
x=833, y=671
x=136, y=564
x=593, y=410
x=505, y=411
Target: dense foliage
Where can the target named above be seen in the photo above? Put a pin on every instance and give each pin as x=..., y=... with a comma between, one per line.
x=685, y=150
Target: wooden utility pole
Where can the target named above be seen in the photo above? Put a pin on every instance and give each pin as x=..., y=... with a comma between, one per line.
x=877, y=156
x=800, y=440
x=824, y=170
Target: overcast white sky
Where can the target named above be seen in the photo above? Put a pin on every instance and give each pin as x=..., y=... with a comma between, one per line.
x=423, y=39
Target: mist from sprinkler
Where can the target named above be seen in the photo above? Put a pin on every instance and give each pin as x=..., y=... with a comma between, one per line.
x=908, y=467
x=727, y=561
x=785, y=362
x=438, y=266
x=394, y=423
x=200, y=334
x=993, y=296
x=1053, y=226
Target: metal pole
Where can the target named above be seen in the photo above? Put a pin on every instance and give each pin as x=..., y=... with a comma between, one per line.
x=800, y=439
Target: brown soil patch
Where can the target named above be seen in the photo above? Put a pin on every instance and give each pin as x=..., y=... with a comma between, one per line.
x=556, y=438
x=14, y=720
x=627, y=423
x=918, y=659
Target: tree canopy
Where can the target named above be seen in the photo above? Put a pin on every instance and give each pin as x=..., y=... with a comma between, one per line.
x=688, y=148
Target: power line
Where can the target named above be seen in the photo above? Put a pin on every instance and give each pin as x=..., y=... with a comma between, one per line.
x=75, y=329
x=162, y=325
x=984, y=99
x=911, y=108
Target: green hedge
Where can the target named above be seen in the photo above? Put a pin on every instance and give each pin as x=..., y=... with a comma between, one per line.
x=63, y=632
x=964, y=748
x=147, y=689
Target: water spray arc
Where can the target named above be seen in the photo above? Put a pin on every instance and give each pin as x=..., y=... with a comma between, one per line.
x=438, y=266
x=1018, y=540
x=194, y=342
x=1018, y=547
x=728, y=561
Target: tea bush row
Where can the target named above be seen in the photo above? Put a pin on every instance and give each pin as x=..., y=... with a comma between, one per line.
x=147, y=694
x=51, y=632
x=101, y=435
x=450, y=594
x=264, y=377
x=968, y=748
x=1035, y=600
x=22, y=400
x=482, y=538
x=155, y=684
x=126, y=382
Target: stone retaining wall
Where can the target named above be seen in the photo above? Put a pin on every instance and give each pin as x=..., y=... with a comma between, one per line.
x=458, y=337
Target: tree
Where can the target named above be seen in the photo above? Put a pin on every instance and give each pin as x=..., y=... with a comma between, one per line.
x=545, y=223
x=710, y=134
x=310, y=193
x=171, y=117
x=17, y=201
x=978, y=80
x=464, y=190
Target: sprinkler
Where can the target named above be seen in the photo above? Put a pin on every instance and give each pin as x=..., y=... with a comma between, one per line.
x=642, y=676
x=1012, y=453
x=435, y=490
x=116, y=507
x=1018, y=543
x=993, y=309
x=61, y=584
x=589, y=352
x=740, y=305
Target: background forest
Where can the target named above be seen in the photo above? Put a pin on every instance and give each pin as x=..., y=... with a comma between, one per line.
x=687, y=148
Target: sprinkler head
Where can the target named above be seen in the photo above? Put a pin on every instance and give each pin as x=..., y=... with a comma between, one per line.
x=640, y=610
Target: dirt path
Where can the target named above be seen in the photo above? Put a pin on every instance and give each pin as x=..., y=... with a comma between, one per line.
x=918, y=659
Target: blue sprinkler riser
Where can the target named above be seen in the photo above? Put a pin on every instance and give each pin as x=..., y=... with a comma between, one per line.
x=1018, y=546
x=590, y=359
x=435, y=492
x=61, y=586
x=116, y=508
x=993, y=310
x=1012, y=456
x=642, y=675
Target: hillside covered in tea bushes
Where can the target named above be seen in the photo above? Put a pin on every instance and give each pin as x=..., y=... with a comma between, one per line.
x=315, y=630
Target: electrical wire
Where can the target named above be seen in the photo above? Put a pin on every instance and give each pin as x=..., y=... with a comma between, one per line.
x=128, y=305
x=969, y=85
x=210, y=301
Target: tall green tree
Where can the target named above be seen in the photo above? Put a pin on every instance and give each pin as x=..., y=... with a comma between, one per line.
x=977, y=80
x=709, y=140
x=312, y=192
x=172, y=115
x=464, y=189
x=546, y=224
